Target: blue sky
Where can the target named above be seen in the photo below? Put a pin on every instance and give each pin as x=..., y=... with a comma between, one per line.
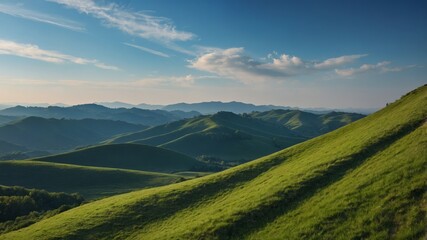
x=333, y=54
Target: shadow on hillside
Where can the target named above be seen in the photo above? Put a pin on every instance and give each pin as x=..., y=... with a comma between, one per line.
x=157, y=208
x=291, y=198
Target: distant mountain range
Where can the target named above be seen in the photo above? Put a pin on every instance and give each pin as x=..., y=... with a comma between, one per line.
x=94, y=111
x=235, y=107
x=128, y=105
x=7, y=119
x=204, y=107
x=53, y=135
x=223, y=136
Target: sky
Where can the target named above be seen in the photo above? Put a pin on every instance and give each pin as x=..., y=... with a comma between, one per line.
x=332, y=54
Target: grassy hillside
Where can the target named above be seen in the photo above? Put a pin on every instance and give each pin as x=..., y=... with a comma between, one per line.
x=60, y=134
x=366, y=180
x=308, y=124
x=91, y=182
x=128, y=156
x=222, y=136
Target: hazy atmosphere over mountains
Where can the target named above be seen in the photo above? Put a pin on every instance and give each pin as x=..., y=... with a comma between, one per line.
x=225, y=119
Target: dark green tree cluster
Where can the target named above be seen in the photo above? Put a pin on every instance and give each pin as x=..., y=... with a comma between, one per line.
x=18, y=201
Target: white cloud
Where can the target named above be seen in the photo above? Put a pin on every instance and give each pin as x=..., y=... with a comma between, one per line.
x=147, y=82
x=381, y=66
x=34, y=52
x=169, y=81
x=138, y=24
x=147, y=50
x=235, y=64
x=18, y=11
x=231, y=63
x=333, y=62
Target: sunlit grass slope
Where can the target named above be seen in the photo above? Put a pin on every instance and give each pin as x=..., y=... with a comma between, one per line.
x=366, y=180
x=91, y=182
x=128, y=156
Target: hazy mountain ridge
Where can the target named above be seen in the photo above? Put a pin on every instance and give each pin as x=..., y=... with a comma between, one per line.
x=236, y=107
x=7, y=119
x=94, y=111
x=35, y=133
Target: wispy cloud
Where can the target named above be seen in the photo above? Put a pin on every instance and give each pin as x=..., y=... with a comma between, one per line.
x=138, y=24
x=184, y=81
x=18, y=11
x=235, y=64
x=169, y=81
x=333, y=62
x=34, y=52
x=147, y=50
x=379, y=67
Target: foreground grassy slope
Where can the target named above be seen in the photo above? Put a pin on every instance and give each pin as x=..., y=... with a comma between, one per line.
x=363, y=181
x=128, y=156
x=222, y=136
x=91, y=182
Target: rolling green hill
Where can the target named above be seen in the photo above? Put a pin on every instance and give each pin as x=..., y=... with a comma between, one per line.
x=222, y=136
x=42, y=134
x=308, y=124
x=366, y=180
x=128, y=156
x=91, y=182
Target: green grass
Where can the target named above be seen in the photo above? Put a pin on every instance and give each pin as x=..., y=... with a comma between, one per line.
x=366, y=180
x=223, y=136
x=128, y=156
x=90, y=182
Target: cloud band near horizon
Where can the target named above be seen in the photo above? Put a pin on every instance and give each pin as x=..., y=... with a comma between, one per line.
x=35, y=52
